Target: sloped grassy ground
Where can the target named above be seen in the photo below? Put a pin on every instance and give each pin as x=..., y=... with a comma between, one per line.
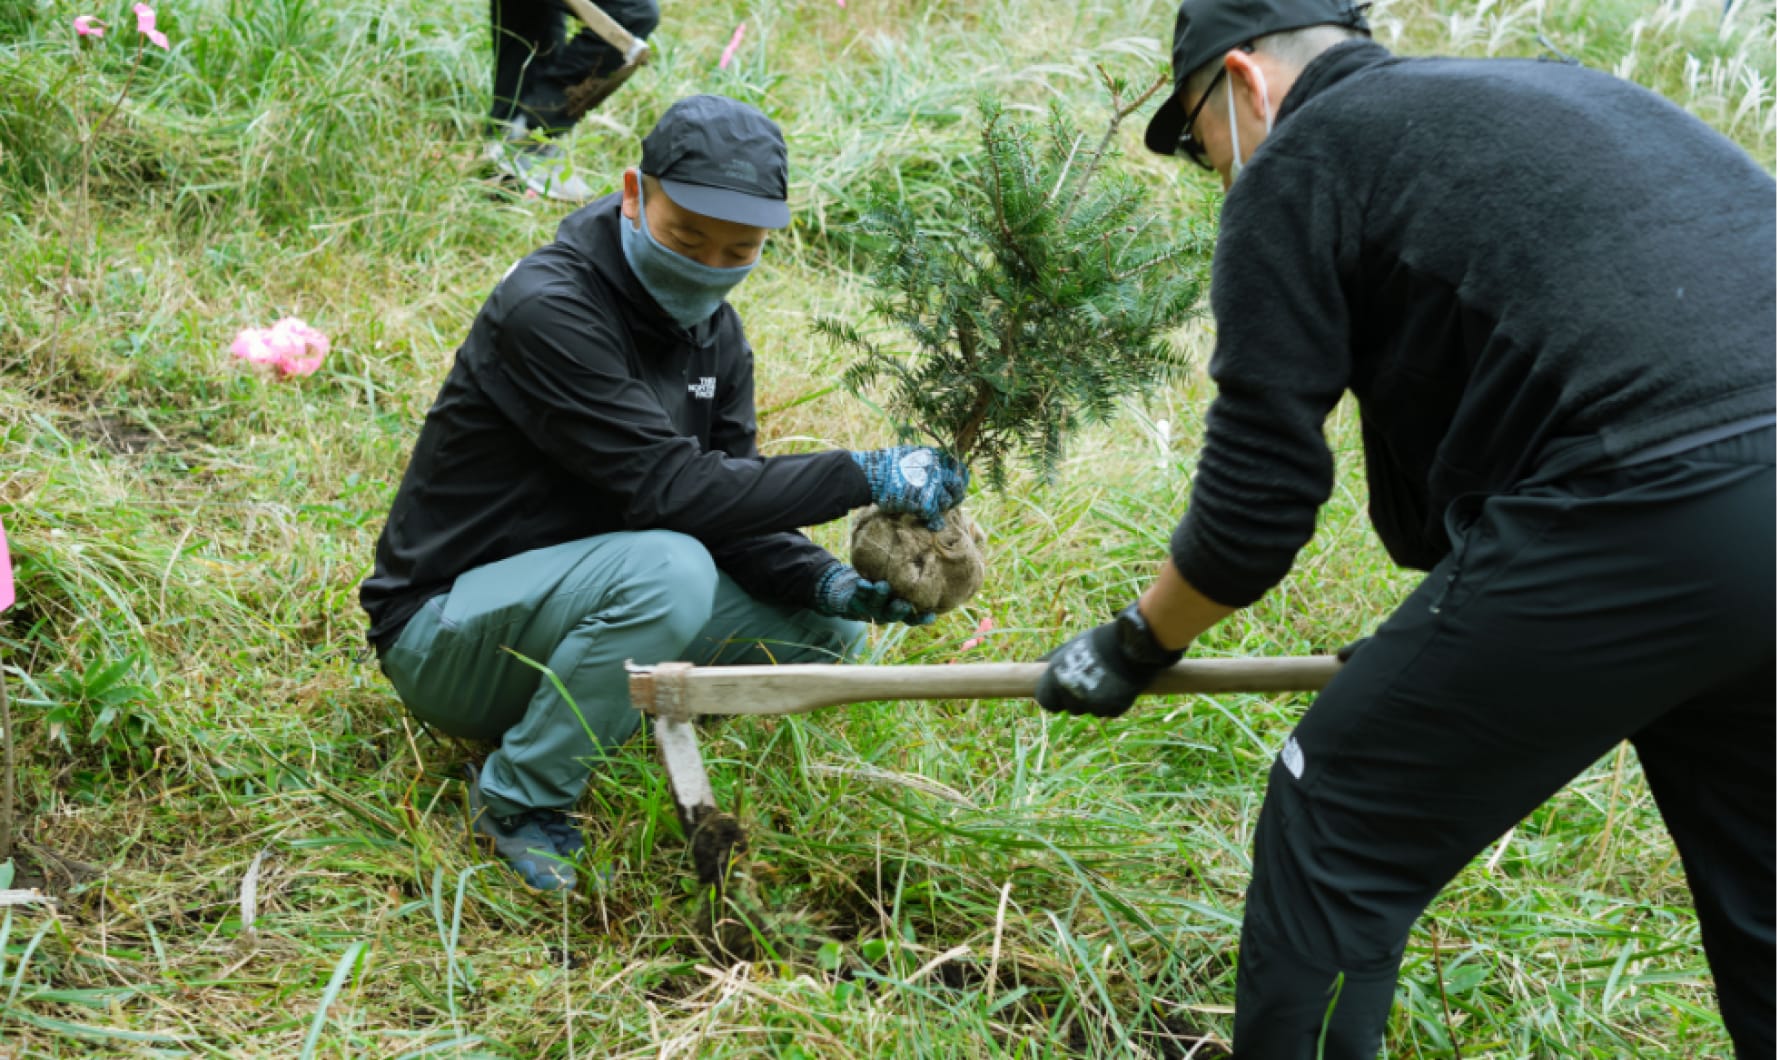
x=195, y=723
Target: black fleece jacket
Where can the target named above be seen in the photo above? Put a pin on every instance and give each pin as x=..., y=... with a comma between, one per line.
x=1519, y=268
x=577, y=407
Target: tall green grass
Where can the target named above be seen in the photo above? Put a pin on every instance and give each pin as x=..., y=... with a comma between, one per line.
x=938, y=879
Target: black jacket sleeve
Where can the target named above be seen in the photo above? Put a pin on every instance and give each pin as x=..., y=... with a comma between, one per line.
x=781, y=567
x=557, y=372
x=1287, y=240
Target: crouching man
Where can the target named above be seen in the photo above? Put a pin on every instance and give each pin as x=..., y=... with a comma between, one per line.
x=586, y=489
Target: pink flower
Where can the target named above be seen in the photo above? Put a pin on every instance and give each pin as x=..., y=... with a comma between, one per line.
x=88, y=26
x=251, y=346
x=983, y=629
x=290, y=347
x=303, y=347
x=734, y=43
x=145, y=25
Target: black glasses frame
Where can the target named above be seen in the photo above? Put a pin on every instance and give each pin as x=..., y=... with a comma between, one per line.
x=1188, y=145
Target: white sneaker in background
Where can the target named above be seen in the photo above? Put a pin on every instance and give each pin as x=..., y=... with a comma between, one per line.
x=539, y=165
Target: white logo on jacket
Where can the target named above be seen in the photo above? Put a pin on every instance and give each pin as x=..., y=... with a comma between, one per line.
x=1293, y=757
x=705, y=388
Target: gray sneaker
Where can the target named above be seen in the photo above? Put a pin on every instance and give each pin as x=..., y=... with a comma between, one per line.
x=538, y=165
x=565, y=837
x=540, y=845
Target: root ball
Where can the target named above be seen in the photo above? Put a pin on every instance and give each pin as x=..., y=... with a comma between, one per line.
x=935, y=570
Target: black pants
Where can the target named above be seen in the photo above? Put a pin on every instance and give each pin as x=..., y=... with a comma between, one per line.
x=534, y=65
x=1633, y=604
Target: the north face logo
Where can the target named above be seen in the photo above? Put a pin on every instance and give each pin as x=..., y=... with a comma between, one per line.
x=705, y=388
x=1293, y=757
x=741, y=169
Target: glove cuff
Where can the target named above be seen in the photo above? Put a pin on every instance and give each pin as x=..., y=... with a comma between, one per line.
x=832, y=588
x=1137, y=642
x=872, y=467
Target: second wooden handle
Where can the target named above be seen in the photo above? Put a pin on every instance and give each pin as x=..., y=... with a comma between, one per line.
x=609, y=30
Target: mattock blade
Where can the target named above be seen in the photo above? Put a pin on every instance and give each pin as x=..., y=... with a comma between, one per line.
x=676, y=741
x=715, y=837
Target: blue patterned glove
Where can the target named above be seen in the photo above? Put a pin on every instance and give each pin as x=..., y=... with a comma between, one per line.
x=841, y=592
x=915, y=480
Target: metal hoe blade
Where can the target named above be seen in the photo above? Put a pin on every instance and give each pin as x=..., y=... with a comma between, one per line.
x=716, y=838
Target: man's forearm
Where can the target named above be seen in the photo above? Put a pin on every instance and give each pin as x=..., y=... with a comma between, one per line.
x=781, y=567
x=1176, y=612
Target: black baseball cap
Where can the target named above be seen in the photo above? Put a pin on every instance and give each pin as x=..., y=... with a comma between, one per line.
x=1206, y=29
x=722, y=158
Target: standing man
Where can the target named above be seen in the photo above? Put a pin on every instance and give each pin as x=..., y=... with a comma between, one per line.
x=586, y=489
x=1552, y=293
x=543, y=82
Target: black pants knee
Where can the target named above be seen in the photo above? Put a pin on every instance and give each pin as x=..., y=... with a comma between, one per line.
x=535, y=61
x=1637, y=604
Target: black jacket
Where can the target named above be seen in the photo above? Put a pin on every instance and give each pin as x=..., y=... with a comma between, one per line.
x=577, y=407
x=1519, y=268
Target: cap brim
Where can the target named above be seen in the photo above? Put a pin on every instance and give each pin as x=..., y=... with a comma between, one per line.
x=1166, y=125
x=727, y=205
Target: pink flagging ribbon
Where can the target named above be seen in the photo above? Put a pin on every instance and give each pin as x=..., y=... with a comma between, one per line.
x=6, y=593
x=734, y=43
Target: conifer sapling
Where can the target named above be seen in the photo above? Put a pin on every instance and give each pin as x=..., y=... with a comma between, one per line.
x=1037, y=301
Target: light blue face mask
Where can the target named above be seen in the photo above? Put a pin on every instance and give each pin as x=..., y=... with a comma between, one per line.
x=689, y=291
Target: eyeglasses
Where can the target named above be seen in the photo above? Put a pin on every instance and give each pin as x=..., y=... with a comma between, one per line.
x=1189, y=146
x=1192, y=148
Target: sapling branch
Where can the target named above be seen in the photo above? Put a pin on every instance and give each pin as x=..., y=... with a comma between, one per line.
x=1119, y=114
x=1063, y=173
x=1119, y=275
x=967, y=340
x=964, y=442
x=994, y=182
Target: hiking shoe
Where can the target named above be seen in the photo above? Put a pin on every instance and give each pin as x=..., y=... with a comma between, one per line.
x=539, y=844
x=565, y=837
x=539, y=166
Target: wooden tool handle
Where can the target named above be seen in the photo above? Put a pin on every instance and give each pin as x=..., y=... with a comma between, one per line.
x=610, y=31
x=684, y=690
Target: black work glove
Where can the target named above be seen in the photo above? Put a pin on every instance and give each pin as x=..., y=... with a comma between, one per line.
x=1103, y=671
x=1346, y=652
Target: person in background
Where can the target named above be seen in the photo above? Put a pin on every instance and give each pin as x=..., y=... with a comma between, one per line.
x=542, y=80
x=587, y=490
x=1552, y=294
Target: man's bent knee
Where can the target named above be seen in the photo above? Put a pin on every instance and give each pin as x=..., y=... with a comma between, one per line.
x=670, y=578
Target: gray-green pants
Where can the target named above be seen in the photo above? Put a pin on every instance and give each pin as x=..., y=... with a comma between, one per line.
x=582, y=608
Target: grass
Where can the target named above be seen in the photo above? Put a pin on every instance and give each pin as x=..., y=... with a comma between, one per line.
x=933, y=879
